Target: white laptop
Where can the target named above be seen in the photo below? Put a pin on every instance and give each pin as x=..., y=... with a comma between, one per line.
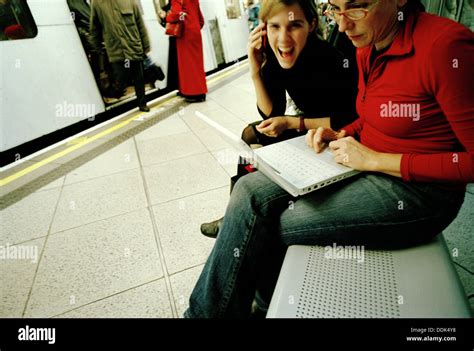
x=291, y=164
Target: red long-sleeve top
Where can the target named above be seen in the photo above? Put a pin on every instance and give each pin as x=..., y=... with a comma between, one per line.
x=427, y=69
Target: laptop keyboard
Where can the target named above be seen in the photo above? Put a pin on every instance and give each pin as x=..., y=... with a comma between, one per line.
x=299, y=166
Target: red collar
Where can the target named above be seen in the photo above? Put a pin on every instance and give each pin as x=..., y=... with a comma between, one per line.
x=401, y=45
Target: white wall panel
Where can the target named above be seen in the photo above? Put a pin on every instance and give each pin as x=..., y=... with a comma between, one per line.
x=38, y=75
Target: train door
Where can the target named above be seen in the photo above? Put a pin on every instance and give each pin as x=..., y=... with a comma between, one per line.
x=217, y=41
x=101, y=67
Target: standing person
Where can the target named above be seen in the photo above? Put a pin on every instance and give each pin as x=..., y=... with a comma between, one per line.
x=192, y=78
x=414, y=164
x=120, y=25
x=172, y=74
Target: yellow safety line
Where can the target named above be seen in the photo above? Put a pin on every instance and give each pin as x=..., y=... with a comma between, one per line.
x=86, y=140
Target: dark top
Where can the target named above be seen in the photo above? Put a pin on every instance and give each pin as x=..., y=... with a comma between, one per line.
x=318, y=83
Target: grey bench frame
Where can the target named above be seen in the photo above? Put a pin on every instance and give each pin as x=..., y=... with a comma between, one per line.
x=418, y=282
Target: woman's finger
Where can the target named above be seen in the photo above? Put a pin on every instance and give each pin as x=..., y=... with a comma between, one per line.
x=318, y=141
x=257, y=34
x=258, y=28
x=309, y=137
x=334, y=145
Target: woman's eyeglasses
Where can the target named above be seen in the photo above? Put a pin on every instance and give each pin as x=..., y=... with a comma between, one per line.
x=352, y=14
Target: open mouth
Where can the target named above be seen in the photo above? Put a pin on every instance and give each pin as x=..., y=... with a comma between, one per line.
x=286, y=53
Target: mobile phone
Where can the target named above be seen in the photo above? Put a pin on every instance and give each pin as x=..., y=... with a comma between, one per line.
x=264, y=38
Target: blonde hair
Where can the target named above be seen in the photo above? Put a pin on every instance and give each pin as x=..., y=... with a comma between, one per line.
x=270, y=7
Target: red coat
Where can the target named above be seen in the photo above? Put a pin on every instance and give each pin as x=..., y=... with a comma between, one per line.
x=192, y=77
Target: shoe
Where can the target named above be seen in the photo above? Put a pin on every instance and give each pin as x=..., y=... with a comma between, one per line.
x=257, y=312
x=191, y=100
x=195, y=98
x=144, y=108
x=211, y=229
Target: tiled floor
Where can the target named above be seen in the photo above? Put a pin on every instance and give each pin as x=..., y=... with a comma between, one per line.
x=119, y=235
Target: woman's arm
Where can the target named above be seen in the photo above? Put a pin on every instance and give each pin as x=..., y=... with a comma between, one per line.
x=176, y=12
x=264, y=102
x=450, y=78
x=256, y=58
x=309, y=123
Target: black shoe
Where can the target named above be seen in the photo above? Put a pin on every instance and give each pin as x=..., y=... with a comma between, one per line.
x=211, y=229
x=257, y=312
x=191, y=100
x=144, y=108
x=195, y=98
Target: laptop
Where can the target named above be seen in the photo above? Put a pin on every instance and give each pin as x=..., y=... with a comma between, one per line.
x=291, y=164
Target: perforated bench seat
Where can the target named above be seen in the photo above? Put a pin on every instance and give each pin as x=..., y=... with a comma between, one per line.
x=419, y=282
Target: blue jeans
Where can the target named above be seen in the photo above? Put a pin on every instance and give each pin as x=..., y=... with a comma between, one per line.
x=262, y=220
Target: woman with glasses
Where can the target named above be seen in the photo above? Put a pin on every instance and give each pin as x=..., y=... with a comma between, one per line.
x=413, y=143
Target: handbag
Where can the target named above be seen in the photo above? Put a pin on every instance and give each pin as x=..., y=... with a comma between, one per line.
x=174, y=29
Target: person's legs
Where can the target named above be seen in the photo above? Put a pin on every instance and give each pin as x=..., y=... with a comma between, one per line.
x=136, y=68
x=119, y=78
x=226, y=287
x=376, y=211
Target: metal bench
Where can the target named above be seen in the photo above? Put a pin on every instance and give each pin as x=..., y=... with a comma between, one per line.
x=418, y=282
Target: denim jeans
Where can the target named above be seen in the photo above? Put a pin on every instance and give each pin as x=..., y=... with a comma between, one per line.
x=262, y=220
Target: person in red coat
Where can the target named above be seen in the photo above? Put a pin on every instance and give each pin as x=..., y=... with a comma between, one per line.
x=192, y=78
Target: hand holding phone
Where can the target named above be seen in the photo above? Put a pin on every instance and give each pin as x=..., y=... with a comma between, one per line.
x=257, y=46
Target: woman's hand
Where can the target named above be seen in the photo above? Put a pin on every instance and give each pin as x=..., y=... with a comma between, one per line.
x=319, y=138
x=274, y=126
x=255, y=49
x=351, y=153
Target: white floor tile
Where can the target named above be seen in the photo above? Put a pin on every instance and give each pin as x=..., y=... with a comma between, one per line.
x=28, y=218
x=94, y=261
x=169, y=148
x=168, y=126
x=183, y=177
x=99, y=198
x=17, y=269
x=146, y=301
x=121, y=158
x=178, y=225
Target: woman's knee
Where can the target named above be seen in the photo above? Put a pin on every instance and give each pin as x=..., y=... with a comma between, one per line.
x=258, y=191
x=252, y=183
x=249, y=136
